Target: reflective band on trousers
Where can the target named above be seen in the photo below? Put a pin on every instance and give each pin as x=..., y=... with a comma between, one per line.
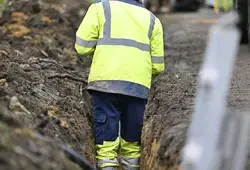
x=107, y=40
x=130, y=161
x=100, y=163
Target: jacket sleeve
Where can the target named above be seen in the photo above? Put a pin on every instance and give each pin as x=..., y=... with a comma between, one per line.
x=157, y=48
x=88, y=32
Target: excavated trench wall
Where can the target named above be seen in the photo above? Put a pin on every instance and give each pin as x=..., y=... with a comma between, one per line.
x=171, y=102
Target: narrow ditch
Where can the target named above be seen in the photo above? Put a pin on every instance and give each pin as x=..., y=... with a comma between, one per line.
x=172, y=96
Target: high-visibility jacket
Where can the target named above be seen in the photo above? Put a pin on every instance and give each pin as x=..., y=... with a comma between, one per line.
x=126, y=41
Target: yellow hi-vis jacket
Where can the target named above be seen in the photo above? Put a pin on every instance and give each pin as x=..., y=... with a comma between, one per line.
x=126, y=41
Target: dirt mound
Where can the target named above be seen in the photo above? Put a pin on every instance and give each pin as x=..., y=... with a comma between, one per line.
x=42, y=84
x=26, y=149
x=170, y=105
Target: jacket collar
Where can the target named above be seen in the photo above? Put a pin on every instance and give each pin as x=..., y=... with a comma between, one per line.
x=132, y=2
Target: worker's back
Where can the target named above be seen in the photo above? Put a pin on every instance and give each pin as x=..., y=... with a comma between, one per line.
x=126, y=41
x=133, y=21
x=127, y=36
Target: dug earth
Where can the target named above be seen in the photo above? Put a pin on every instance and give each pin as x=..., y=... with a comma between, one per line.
x=43, y=101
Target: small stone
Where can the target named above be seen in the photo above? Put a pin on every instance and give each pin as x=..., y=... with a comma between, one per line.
x=72, y=120
x=3, y=52
x=18, y=52
x=56, y=109
x=36, y=66
x=64, y=124
x=25, y=67
x=2, y=82
x=44, y=53
x=52, y=114
x=33, y=60
x=16, y=106
x=45, y=65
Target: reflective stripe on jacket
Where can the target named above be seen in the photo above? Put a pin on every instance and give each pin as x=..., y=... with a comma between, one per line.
x=126, y=41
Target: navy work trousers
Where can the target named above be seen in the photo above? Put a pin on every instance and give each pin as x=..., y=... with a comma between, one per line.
x=109, y=109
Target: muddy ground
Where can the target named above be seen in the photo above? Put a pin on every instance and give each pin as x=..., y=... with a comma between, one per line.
x=170, y=105
x=172, y=98
x=42, y=87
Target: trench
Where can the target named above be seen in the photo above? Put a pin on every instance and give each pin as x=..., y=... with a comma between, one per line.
x=170, y=107
x=42, y=88
x=171, y=102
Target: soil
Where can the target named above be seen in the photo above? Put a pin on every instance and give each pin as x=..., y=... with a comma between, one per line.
x=42, y=87
x=43, y=96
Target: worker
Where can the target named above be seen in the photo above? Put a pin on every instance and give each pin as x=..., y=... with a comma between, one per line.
x=222, y=5
x=126, y=42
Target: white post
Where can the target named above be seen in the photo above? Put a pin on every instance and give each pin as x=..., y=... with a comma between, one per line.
x=201, y=150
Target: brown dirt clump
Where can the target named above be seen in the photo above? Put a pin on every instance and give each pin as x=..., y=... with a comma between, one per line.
x=23, y=148
x=41, y=82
